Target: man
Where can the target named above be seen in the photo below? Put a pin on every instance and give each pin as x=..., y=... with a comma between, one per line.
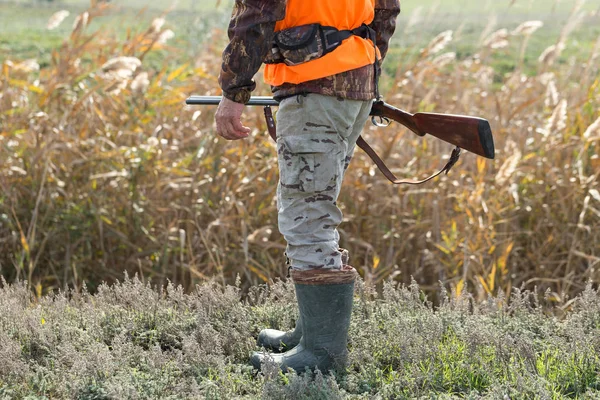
x=323, y=58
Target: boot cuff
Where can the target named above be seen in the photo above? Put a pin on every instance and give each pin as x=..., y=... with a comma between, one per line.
x=342, y=276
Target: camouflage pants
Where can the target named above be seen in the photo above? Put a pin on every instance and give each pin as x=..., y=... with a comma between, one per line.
x=316, y=139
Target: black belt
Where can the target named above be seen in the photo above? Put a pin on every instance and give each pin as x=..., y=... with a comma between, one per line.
x=332, y=37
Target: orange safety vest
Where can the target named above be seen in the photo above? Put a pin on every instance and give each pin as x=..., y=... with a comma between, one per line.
x=354, y=52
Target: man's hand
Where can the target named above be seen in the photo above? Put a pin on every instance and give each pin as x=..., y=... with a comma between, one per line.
x=228, y=119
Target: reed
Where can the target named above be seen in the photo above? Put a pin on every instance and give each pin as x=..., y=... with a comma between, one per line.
x=105, y=170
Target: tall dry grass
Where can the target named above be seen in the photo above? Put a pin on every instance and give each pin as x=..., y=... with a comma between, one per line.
x=104, y=169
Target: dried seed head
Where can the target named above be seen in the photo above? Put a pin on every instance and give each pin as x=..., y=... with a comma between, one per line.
x=56, y=19
x=485, y=76
x=551, y=53
x=165, y=36
x=546, y=77
x=81, y=21
x=119, y=71
x=140, y=83
x=527, y=28
x=152, y=141
x=509, y=167
x=157, y=24
x=593, y=130
x=497, y=40
x=438, y=43
x=558, y=121
x=444, y=59
x=551, y=94
x=121, y=63
x=116, y=87
x=27, y=66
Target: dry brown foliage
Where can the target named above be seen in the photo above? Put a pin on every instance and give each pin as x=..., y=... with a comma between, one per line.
x=104, y=169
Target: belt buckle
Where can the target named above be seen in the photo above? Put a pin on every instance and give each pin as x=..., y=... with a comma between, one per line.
x=328, y=33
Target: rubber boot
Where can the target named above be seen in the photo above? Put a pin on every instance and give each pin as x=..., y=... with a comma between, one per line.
x=276, y=340
x=325, y=303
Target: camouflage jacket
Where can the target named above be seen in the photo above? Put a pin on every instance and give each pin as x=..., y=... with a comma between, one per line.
x=251, y=33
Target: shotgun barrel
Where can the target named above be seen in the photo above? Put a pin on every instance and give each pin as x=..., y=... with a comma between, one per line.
x=215, y=100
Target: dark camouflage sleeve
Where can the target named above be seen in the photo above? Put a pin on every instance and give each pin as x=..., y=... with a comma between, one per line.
x=251, y=32
x=384, y=22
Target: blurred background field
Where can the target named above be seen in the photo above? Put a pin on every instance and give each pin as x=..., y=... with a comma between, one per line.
x=104, y=169
x=24, y=21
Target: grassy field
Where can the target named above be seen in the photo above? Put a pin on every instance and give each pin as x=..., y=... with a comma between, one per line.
x=480, y=285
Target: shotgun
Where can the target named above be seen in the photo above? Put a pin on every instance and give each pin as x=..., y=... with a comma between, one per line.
x=470, y=133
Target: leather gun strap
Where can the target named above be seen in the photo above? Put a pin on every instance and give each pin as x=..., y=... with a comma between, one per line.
x=271, y=127
x=391, y=177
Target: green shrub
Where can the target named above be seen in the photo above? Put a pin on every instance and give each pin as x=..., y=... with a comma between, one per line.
x=130, y=340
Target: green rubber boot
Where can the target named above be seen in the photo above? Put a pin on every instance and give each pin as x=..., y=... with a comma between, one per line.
x=276, y=340
x=325, y=303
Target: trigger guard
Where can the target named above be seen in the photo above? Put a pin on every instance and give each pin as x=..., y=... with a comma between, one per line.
x=382, y=123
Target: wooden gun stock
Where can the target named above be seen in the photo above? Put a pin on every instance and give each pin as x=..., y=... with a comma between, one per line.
x=470, y=133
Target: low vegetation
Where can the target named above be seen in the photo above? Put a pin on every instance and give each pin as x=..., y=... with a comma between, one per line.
x=482, y=284
x=132, y=341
